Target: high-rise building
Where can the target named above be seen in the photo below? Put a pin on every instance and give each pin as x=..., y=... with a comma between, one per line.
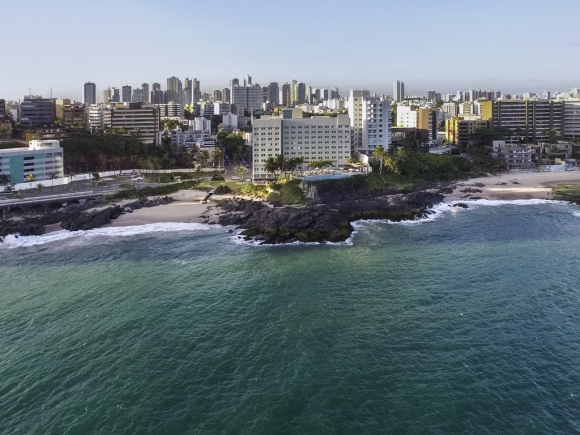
x=334, y=93
x=173, y=92
x=324, y=94
x=274, y=93
x=126, y=93
x=309, y=95
x=293, y=92
x=90, y=94
x=37, y=110
x=137, y=96
x=226, y=94
x=156, y=86
x=398, y=91
x=286, y=94
x=317, y=138
x=234, y=82
x=247, y=98
x=196, y=90
x=2, y=108
x=300, y=93
x=137, y=116
x=431, y=95
x=217, y=95
x=370, y=119
x=146, y=93
x=157, y=96
x=116, y=96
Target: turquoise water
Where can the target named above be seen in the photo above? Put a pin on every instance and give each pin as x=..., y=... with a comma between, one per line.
x=469, y=324
x=326, y=177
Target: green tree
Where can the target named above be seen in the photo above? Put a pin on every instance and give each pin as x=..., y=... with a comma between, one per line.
x=271, y=166
x=241, y=171
x=5, y=179
x=40, y=186
x=170, y=124
x=381, y=155
x=3, y=132
x=203, y=158
x=218, y=157
x=29, y=178
x=52, y=176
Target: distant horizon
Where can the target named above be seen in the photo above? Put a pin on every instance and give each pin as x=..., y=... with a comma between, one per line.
x=322, y=44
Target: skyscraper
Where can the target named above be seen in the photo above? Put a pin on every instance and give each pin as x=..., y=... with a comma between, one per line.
x=217, y=95
x=126, y=92
x=90, y=94
x=274, y=93
x=293, y=92
x=234, y=82
x=173, y=92
x=300, y=93
x=398, y=91
x=226, y=94
x=146, y=93
x=196, y=90
x=286, y=94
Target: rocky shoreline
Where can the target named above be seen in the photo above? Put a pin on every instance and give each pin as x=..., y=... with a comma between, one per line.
x=79, y=217
x=323, y=222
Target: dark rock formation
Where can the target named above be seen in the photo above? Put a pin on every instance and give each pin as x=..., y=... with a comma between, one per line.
x=460, y=205
x=93, y=219
x=322, y=222
x=470, y=191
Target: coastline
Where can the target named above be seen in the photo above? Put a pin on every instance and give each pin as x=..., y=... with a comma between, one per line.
x=535, y=185
x=186, y=206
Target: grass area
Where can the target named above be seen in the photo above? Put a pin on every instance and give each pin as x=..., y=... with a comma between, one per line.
x=290, y=193
x=125, y=186
x=233, y=185
x=568, y=192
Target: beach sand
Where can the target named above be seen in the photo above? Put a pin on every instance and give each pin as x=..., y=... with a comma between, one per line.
x=186, y=207
x=514, y=186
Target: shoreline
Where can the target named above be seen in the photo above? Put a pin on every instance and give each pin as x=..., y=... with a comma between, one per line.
x=186, y=206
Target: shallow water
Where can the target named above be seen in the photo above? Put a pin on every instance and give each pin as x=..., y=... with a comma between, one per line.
x=467, y=323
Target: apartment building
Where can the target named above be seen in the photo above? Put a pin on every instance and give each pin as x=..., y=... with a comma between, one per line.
x=40, y=159
x=533, y=118
x=317, y=138
x=515, y=155
x=370, y=120
x=246, y=98
x=458, y=129
x=37, y=110
x=406, y=117
x=138, y=116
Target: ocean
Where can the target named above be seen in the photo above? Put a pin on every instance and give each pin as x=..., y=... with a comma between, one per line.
x=466, y=323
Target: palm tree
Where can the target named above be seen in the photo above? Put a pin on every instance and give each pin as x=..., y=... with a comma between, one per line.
x=218, y=156
x=40, y=186
x=203, y=157
x=134, y=159
x=29, y=178
x=3, y=132
x=271, y=166
x=52, y=176
x=116, y=162
x=241, y=171
x=392, y=160
x=381, y=155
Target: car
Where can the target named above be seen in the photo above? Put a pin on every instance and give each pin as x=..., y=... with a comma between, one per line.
x=235, y=177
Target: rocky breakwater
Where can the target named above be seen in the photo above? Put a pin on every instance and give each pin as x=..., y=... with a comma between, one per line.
x=328, y=222
x=97, y=218
x=75, y=217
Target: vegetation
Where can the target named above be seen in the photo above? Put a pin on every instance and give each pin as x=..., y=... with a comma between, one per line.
x=153, y=191
x=222, y=189
x=568, y=192
x=289, y=192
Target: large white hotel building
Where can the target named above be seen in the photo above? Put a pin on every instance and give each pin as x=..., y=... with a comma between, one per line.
x=316, y=138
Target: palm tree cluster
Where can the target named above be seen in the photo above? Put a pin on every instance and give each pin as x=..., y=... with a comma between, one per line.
x=279, y=164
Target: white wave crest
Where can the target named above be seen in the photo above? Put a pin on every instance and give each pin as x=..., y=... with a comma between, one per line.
x=238, y=239
x=16, y=241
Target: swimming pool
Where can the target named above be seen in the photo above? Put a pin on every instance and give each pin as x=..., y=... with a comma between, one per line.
x=326, y=177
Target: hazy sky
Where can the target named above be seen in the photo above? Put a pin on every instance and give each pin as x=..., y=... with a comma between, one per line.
x=509, y=45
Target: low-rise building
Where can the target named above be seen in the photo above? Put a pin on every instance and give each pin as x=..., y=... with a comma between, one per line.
x=41, y=159
x=517, y=156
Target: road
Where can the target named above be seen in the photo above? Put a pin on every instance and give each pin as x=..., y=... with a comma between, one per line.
x=230, y=166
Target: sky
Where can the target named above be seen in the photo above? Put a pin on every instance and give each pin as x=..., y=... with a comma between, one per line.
x=509, y=45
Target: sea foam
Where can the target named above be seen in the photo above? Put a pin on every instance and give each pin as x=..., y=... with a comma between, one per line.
x=16, y=241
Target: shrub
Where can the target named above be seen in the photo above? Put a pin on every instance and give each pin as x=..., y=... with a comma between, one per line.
x=222, y=189
x=218, y=178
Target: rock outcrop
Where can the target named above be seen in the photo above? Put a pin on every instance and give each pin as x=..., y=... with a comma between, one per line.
x=322, y=222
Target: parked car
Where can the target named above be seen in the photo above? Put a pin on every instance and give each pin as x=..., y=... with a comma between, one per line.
x=235, y=177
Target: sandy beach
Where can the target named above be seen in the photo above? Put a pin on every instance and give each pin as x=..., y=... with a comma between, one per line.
x=513, y=186
x=186, y=207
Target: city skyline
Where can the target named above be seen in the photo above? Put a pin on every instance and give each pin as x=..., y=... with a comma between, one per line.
x=419, y=50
